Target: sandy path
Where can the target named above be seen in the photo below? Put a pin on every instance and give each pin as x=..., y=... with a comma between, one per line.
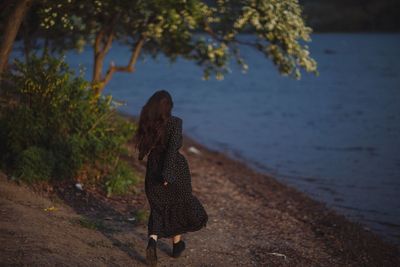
x=253, y=221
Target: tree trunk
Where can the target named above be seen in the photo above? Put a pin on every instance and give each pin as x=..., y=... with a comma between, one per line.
x=97, y=70
x=99, y=81
x=102, y=45
x=10, y=31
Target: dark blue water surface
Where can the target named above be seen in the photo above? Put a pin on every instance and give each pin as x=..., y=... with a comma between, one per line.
x=335, y=137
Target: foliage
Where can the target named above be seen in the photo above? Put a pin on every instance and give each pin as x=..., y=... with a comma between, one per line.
x=278, y=26
x=172, y=28
x=91, y=224
x=142, y=216
x=121, y=180
x=53, y=126
x=35, y=164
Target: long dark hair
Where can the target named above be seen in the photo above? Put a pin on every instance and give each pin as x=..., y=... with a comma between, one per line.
x=153, y=118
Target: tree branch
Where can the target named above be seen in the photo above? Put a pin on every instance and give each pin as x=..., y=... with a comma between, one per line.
x=131, y=65
x=102, y=45
x=10, y=30
x=97, y=42
x=109, y=40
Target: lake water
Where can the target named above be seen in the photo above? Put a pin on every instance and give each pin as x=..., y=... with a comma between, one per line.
x=335, y=137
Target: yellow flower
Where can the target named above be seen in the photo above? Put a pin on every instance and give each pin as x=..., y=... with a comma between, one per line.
x=52, y=208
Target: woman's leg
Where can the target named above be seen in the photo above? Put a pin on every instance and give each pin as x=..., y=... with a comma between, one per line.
x=176, y=238
x=178, y=246
x=151, y=251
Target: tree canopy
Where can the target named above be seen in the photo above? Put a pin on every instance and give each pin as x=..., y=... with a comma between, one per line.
x=205, y=32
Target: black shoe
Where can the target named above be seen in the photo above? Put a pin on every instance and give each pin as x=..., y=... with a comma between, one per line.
x=151, y=252
x=178, y=248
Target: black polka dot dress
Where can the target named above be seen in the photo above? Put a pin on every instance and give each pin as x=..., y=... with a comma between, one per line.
x=174, y=209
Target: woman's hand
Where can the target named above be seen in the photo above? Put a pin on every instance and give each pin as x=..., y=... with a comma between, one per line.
x=165, y=183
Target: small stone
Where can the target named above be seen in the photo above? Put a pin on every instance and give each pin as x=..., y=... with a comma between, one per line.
x=79, y=186
x=194, y=150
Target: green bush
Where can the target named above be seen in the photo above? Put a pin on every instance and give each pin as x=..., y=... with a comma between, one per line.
x=142, y=216
x=50, y=111
x=35, y=164
x=121, y=180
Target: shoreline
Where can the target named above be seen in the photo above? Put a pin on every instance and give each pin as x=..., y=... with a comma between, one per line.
x=264, y=170
x=325, y=221
x=260, y=170
x=254, y=220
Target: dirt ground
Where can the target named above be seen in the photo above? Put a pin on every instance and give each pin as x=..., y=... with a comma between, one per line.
x=253, y=221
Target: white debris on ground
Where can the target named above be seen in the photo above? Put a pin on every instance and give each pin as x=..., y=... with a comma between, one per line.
x=79, y=186
x=194, y=150
x=279, y=255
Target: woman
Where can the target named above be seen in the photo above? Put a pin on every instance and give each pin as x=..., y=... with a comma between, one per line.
x=174, y=210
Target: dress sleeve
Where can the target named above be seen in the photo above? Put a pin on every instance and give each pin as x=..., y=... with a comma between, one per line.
x=174, y=143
